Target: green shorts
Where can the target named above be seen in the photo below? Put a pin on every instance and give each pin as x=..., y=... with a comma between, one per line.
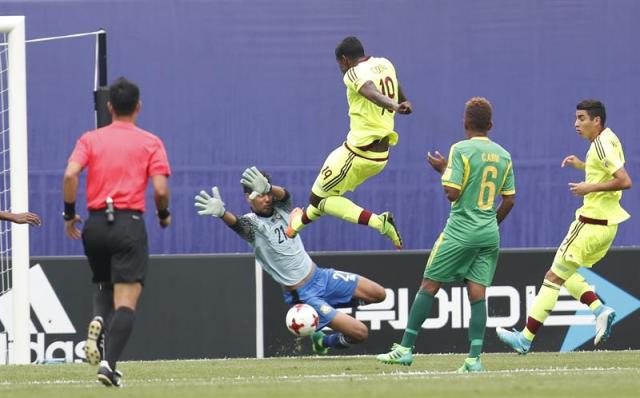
x=452, y=261
x=584, y=245
x=345, y=169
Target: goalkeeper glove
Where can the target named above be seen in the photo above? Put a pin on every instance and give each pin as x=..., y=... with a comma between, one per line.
x=208, y=205
x=253, y=179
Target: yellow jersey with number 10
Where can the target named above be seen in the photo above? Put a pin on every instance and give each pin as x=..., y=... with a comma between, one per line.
x=369, y=122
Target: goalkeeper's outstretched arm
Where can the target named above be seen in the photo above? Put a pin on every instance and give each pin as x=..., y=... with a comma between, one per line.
x=212, y=205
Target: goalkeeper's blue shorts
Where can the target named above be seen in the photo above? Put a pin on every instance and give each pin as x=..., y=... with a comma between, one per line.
x=327, y=290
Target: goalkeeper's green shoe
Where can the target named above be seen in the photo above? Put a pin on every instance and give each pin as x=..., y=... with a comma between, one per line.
x=398, y=355
x=389, y=229
x=316, y=343
x=471, y=365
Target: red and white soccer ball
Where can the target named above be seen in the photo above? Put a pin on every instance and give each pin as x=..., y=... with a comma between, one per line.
x=302, y=320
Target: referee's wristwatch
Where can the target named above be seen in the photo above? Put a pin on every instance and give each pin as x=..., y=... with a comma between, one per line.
x=69, y=212
x=163, y=214
x=68, y=217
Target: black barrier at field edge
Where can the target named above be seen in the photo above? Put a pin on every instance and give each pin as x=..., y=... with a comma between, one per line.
x=204, y=306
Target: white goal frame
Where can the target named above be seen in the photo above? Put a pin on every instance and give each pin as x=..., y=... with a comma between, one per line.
x=19, y=332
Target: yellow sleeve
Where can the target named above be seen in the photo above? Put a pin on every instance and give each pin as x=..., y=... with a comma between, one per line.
x=508, y=183
x=453, y=175
x=610, y=154
x=357, y=76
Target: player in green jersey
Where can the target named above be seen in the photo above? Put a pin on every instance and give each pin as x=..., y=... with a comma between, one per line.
x=467, y=250
x=374, y=96
x=592, y=232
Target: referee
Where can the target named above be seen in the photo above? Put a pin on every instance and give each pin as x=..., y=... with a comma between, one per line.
x=119, y=158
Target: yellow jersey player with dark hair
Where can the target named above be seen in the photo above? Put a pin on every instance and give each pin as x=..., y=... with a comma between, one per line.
x=592, y=232
x=477, y=171
x=374, y=97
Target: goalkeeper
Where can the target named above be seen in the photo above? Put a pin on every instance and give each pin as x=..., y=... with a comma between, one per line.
x=286, y=260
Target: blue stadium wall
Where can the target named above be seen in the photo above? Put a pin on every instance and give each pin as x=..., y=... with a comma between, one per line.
x=230, y=84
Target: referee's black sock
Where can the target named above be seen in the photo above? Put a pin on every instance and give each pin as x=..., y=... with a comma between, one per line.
x=103, y=303
x=118, y=334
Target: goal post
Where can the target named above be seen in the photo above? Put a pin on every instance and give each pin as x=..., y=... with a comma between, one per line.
x=16, y=118
x=101, y=91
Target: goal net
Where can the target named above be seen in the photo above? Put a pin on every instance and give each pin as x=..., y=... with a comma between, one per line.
x=15, y=320
x=14, y=239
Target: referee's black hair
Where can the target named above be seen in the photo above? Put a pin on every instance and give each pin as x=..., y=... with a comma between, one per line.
x=594, y=108
x=124, y=96
x=265, y=174
x=350, y=47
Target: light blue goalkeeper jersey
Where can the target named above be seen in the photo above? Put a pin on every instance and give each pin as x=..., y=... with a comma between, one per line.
x=283, y=258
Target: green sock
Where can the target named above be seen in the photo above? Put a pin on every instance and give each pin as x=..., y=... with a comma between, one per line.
x=420, y=310
x=477, y=325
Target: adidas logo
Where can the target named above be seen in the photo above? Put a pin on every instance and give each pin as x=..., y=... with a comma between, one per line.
x=50, y=315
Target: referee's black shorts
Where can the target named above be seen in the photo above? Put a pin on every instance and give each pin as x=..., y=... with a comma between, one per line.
x=118, y=252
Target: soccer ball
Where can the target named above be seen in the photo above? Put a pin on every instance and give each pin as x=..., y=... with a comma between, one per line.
x=302, y=320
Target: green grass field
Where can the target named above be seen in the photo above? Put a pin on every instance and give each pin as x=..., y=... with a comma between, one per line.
x=584, y=374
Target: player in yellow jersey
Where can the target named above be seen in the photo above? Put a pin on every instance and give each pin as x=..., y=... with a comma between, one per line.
x=592, y=232
x=374, y=97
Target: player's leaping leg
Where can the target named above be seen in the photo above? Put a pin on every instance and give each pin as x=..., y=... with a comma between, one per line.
x=344, y=171
x=341, y=207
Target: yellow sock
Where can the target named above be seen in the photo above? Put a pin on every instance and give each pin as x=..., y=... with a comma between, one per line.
x=375, y=222
x=527, y=334
x=545, y=301
x=341, y=207
x=578, y=286
x=593, y=306
x=313, y=213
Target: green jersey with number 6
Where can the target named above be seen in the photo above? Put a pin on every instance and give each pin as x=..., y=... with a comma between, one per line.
x=481, y=169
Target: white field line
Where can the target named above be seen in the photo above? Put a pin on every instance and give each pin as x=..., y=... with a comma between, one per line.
x=351, y=376
x=369, y=356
